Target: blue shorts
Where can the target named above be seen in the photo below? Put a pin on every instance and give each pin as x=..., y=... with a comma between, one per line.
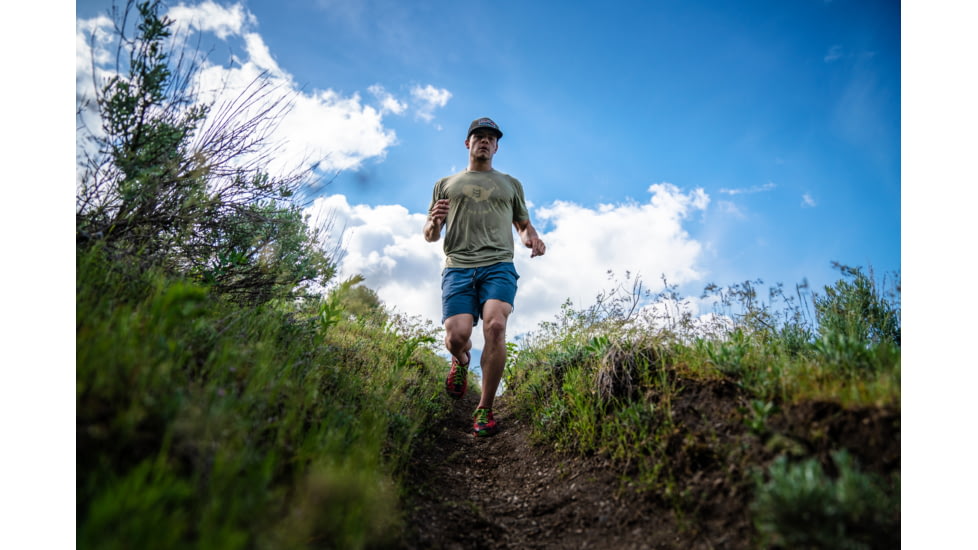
x=466, y=289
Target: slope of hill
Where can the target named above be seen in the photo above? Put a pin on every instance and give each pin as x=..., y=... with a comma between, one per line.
x=511, y=492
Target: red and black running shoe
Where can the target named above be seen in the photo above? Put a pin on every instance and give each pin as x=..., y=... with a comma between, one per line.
x=458, y=378
x=483, y=424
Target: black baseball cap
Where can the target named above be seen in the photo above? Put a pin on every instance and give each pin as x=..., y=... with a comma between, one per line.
x=484, y=122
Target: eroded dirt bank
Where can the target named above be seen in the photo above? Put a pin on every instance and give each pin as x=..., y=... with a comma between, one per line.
x=506, y=492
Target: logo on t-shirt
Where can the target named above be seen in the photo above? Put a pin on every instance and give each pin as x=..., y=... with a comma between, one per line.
x=478, y=193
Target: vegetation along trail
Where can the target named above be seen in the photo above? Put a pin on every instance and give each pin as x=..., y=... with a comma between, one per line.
x=511, y=492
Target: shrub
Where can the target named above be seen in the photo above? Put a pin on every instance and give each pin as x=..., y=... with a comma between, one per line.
x=800, y=506
x=859, y=309
x=173, y=183
x=201, y=423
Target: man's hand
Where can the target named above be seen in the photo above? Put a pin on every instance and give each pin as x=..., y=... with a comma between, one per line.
x=439, y=212
x=436, y=217
x=535, y=244
x=528, y=234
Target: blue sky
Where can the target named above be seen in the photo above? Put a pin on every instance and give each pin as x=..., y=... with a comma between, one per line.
x=707, y=141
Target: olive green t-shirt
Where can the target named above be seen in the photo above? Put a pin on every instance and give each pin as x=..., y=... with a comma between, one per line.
x=483, y=208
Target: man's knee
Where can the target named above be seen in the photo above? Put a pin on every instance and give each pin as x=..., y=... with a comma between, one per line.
x=454, y=340
x=495, y=327
x=458, y=330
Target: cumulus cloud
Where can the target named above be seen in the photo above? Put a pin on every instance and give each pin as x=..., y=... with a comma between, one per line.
x=92, y=41
x=427, y=99
x=583, y=244
x=322, y=128
x=208, y=16
x=807, y=201
x=385, y=245
x=92, y=48
x=388, y=103
x=259, y=55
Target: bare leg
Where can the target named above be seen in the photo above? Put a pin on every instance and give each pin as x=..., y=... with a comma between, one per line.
x=495, y=314
x=458, y=336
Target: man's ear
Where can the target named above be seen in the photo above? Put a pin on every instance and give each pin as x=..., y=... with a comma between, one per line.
x=466, y=143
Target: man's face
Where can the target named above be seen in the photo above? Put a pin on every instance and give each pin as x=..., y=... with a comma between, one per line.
x=482, y=144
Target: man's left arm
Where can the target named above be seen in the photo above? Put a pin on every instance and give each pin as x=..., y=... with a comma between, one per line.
x=528, y=234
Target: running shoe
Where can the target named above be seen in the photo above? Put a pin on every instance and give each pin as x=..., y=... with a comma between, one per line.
x=458, y=377
x=483, y=425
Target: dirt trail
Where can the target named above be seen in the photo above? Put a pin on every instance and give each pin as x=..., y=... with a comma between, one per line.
x=506, y=492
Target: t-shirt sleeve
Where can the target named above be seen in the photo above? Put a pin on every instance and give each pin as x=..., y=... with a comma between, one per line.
x=435, y=194
x=520, y=212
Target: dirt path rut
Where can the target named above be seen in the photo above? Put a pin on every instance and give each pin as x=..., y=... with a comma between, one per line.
x=505, y=492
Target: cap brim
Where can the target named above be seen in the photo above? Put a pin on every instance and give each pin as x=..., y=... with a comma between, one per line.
x=498, y=133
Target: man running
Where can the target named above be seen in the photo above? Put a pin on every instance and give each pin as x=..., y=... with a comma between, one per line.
x=478, y=206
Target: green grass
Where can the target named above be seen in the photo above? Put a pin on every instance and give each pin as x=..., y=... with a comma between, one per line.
x=201, y=424
x=853, y=510
x=608, y=380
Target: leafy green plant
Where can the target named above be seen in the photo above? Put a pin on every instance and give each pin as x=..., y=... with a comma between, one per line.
x=409, y=346
x=330, y=313
x=729, y=356
x=859, y=309
x=512, y=359
x=757, y=415
x=797, y=505
x=332, y=310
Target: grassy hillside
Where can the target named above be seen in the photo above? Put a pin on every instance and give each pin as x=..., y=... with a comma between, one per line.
x=202, y=424
x=221, y=401
x=783, y=424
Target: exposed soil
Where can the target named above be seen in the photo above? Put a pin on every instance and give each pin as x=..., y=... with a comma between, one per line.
x=508, y=492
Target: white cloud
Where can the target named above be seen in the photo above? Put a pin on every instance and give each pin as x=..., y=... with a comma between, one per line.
x=211, y=17
x=342, y=127
x=85, y=49
x=92, y=46
x=385, y=245
x=807, y=201
x=584, y=243
x=388, y=103
x=325, y=129
x=260, y=56
x=428, y=99
x=769, y=186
